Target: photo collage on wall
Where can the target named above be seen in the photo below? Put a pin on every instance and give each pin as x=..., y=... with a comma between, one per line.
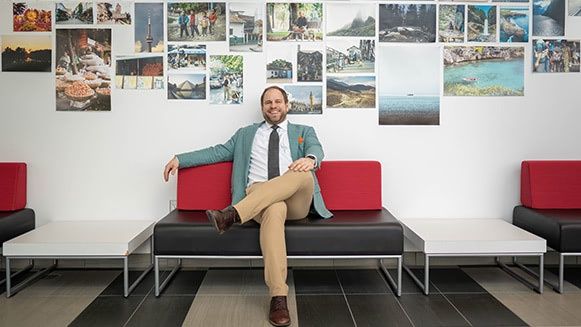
x=322, y=53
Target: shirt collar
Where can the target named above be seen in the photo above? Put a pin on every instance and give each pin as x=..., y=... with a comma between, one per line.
x=283, y=126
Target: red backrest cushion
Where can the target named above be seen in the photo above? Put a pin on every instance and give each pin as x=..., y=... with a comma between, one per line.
x=12, y=186
x=350, y=185
x=345, y=185
x=551, y=184
x=205, y=187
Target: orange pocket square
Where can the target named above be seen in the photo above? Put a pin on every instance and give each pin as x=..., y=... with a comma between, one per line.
x=301, y=140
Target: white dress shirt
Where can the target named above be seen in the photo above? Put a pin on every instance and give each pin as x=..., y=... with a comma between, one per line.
x=258, y=171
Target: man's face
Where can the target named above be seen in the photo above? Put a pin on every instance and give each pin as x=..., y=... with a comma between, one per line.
x=274, y=109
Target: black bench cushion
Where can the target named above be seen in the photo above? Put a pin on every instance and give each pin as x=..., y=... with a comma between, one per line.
x=360, y=232
x=560, y=227
x=15, y=223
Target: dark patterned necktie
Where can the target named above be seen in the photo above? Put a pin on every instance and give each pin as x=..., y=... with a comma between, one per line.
x=273, y=164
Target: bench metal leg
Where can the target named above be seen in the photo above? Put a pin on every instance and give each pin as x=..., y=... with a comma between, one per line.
x=395, y=285
x=10, y=290
x=540, y=275
x=127, y=289
x=425, y=286
x=19, y=272
x=159, y=288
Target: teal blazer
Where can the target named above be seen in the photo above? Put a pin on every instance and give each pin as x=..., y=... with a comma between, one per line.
x=302, y=139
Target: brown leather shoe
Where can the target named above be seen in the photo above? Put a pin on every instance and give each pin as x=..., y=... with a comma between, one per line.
x=278, y=315
x=223, y=219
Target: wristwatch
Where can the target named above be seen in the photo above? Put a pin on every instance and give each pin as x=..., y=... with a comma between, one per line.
x=314, y=158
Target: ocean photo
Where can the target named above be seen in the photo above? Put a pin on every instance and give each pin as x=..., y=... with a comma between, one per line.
x=514, y=24
x=484, y=71
x=409, y=110
x=548, y=17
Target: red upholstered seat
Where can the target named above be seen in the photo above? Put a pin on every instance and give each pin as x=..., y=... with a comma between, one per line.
x=12, y=186
x=551, y=184
x=345, y=185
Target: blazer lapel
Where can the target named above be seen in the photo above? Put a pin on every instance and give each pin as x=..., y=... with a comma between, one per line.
x=293, y=137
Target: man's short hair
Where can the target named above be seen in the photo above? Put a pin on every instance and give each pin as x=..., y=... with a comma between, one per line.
x=274, y=87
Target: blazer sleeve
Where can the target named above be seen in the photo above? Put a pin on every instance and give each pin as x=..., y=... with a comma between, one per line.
x=210, y=155
x=312, y=144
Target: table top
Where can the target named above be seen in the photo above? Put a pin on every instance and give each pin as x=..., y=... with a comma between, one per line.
x=81, y=238
x=471, y=237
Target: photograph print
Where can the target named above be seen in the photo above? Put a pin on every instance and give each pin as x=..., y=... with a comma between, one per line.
x=246, y=21
x=574, y=7
x=294, y=21
x=483, y=71
x=481, y=23
x=149, y=27
x=350, y=91
x=555, y=56
x=350, y=56
x=350, y=19
x=279, y=63
x=83, y=69
x=185, y=57
x=226, y=79
x=407, y=22
x=74, y=13
x=26, y=53
x=413, y=98
x=32, y=16
x=309, y=63
x=548, y=17
x=196, y=21
x=143, y=72
x=186, y=86
x=114, y=13
x=305, y=99
x=514, y=24
x=451, y=23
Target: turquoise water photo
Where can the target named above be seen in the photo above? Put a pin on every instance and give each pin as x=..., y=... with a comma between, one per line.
x=409, y=110
x=491, y=77
x=514, y=24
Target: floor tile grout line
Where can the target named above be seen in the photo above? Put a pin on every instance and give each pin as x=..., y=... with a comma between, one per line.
x=397, y=299
x=453, y=306
x=345, y=298
x=137, y=308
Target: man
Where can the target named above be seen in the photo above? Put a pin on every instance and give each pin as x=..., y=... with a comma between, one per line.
x=183, y=21
x=300, y=26
x=272, y=181
x=226, y=85
x=193, y=24
x=212, y=18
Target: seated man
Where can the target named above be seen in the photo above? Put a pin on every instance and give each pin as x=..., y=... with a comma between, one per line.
x=272, y=181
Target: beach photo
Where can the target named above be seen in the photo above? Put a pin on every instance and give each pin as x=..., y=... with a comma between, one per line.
x=280, y=61
x=143, y=72
x=149, y=27
x=413, y=98
x=451, y=23
x=114, y=13
x=73, y=13
x=309, y=63
x=555, y=56
x=483, y=71
x=351, y=92
x=405, y=22
x=350, y=56
x=186, y=57
x=32, y=16
x=549, y=17
x=574, y=7
x=196, y=21
x=481, y=23
x=305, y=99
x=246, y=21
x=350, y=19
x=186, y=86
x=26, y=53
x=514, y=24
x=83, y=69
x=226, y=79
x=294, y=21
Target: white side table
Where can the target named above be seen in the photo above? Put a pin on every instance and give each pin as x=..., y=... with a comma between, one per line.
x=104, y=239
x=472, y=237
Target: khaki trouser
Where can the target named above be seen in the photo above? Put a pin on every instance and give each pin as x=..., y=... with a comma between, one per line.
x=270, y=204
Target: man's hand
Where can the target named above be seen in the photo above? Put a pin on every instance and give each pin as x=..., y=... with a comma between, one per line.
x=171, y=167
x=302, y=164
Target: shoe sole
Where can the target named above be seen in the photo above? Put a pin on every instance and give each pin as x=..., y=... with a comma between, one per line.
x=279, y=325
x=213, y=221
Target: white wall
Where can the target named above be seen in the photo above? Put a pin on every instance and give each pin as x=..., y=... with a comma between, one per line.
x=108, y=165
